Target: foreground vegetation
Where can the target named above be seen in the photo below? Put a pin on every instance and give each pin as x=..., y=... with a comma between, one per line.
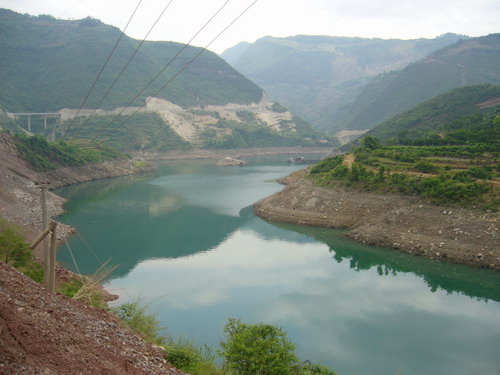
x=247, y=349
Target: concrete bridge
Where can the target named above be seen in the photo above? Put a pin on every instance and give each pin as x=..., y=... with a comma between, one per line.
x=45, y=115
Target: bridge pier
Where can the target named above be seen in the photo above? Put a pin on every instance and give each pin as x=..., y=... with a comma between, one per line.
x=16, y=116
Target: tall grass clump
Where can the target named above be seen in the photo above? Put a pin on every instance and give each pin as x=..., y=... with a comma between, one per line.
x=90, y=287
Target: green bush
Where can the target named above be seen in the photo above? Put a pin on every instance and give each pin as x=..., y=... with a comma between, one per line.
x=251, y=349
x=308, y=368
x=70, y=287
x=15, y=251
x=370, y=143
x=140, y=321
x=186, y=356
x=44, y=156
x=481, y=173
x=327, y=165
x=425, y=166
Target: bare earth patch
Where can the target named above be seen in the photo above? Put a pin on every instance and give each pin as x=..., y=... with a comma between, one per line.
x=42, y=333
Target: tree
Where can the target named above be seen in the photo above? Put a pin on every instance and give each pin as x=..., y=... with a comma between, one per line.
x=13, y=249
x=262, y=349
x=370, y=143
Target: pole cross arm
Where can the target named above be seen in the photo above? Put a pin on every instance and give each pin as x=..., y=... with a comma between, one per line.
x=44, y=234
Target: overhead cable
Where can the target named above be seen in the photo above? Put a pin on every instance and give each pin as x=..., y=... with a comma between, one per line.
x=126, y=65
x=102, y=69
x=164, y=68
x=188, y=63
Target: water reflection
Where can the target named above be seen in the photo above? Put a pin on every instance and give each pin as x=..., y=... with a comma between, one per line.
x=336, y=316
x=476, y=283
x=182, y=209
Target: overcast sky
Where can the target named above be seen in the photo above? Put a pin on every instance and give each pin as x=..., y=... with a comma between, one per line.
x=364, y=18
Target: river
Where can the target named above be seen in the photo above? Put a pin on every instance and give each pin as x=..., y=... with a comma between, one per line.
x=188, y=246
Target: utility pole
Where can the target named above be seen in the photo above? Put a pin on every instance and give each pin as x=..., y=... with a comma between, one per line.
x=45, y=225
x=50, y=275
x=52, y=260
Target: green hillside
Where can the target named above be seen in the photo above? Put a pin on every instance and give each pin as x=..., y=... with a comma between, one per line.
x=468, y=62
x=445, y=150
x=460, y=110
x=48, y=64
x=316, y=76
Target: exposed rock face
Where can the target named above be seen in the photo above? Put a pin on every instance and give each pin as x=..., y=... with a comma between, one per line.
x=407, y=224
x=231, y=162
x=42, y=333
x=190, y=123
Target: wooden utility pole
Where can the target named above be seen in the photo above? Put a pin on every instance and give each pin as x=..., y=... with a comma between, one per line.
x=52, y=260
x=49, y=255
x=50, y=269
x=45, y=226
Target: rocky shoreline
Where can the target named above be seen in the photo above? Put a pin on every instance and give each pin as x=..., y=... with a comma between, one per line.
x=20, y=196
x=407, y=224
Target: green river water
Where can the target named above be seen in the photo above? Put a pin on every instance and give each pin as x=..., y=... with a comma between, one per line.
x=189, y=246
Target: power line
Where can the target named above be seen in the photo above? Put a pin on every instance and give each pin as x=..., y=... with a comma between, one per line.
x=102, y=69
x=164, y=68
x=184, y=67
x=68, y=9
x=89, y=248
x=126, y=65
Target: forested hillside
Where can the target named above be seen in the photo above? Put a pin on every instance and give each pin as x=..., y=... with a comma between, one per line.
x=48, y=64
x=462, y=113
x=316, y=76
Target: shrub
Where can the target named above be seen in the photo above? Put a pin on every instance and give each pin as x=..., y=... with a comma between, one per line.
x=140, y=321
x=15, y=251
x=327, y=165
x=70, y=287
x=257, y=349
x=183, y=355
x=186, y=356
x=370, y=143
x=425, y=166
x=308, y=368
x=481, y=173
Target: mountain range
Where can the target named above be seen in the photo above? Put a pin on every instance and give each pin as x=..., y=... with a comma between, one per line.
x=196, y=100
x=349, y=85
x=48, y=64
x=317, y=76
x=468, y=62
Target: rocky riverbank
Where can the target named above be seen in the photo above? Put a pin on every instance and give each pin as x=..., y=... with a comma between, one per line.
x=404, y=223
x=20, y=196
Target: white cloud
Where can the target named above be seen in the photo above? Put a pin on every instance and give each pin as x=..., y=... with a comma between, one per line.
x=375, y=18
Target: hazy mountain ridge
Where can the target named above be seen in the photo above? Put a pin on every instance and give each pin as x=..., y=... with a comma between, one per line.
x=468, y=62
x=315, y=76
